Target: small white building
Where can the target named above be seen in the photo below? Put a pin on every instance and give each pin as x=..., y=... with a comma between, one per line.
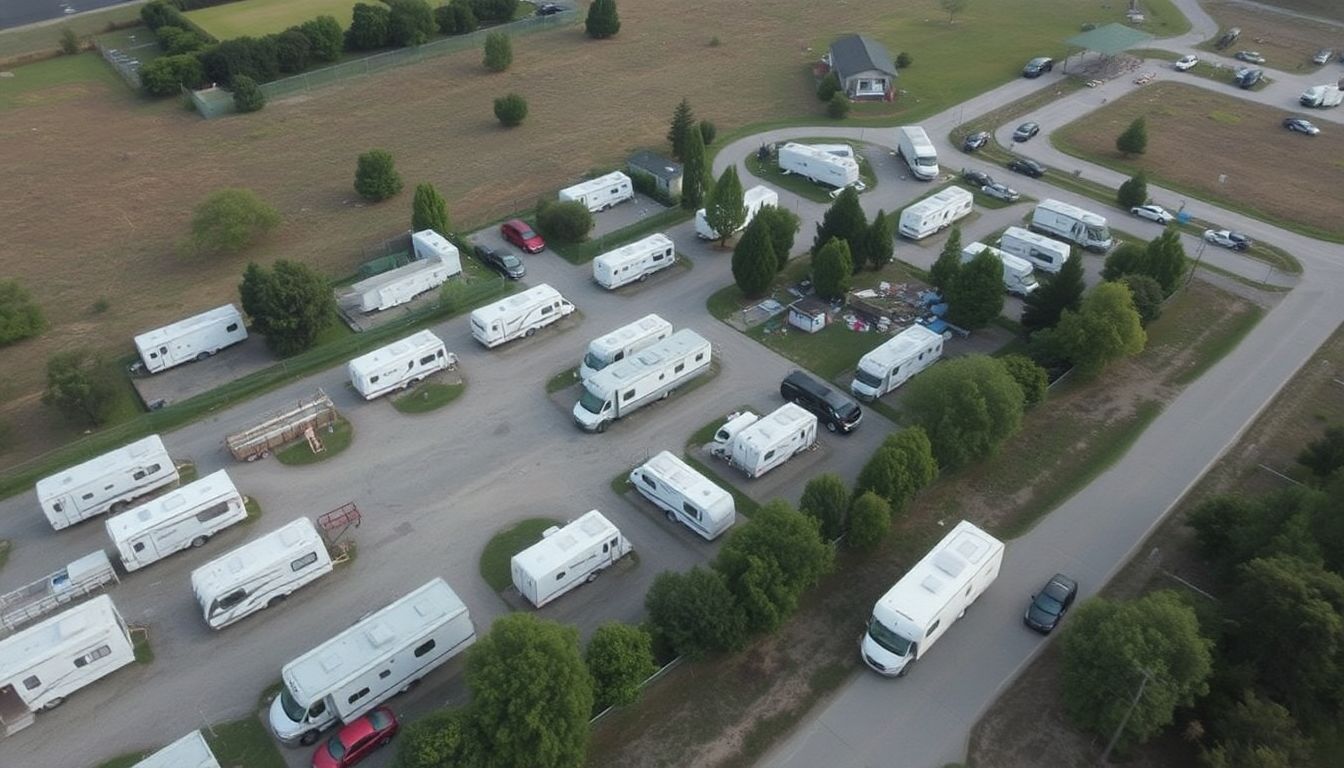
x=808, y=314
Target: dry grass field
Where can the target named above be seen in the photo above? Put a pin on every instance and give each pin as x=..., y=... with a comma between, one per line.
x=1287, y=42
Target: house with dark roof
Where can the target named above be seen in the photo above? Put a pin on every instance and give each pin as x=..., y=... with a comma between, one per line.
x=864, y=67
x=666, y=173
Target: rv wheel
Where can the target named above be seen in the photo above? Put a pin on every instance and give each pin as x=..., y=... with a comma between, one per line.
x=118, y=507
x=201, y=356
x=274, y=601
x=528, y=333
x=830, y=426
x=309, y=738
x=670, y=515
x=197, y=542
x=643, y=277
x=54, y=703
x=602, y=426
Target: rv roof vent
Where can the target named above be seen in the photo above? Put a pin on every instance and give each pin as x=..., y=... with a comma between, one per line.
x=948, y=563
x=970, y=547
x=330, y=662
x=379, y=635
x=932, y=583
x=549, y=532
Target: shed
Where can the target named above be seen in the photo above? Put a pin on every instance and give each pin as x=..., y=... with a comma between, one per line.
x=666, y=173
x=808, y=313
x=863, y=66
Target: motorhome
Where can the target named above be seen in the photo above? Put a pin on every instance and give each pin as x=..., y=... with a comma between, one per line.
x=383, y=654
x=399, y=364
x=895, y=361
x=1322, y=96
x=190, y=751
x=918, y=152
x=684, y=495
x=753, y=199
x=758, y=445
x=195, y=338
x=1072, y=224
x=260, y=573
x=435, y=261
x=601, y=193
x=518, y=315
x=567, y=557
x=45, y=663
x=929, y=598
x=634, y=261
x=108, y=482
x=1044, y=253
x=175, y=521
x=650, y=374
x=1018, y=278
x=935, y=213
x=819, y=165
x=622, y=342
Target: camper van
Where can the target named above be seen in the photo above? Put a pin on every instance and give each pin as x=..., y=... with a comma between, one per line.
x=567, y=557
x=436, y=260
x=684, y=495
x=382, y=655
x=818, y=165
x=918, y=152
x=624, y=341
x=1018, y=279
x=650, y=374
x=190, y=751
x=634, y=262
x=758, y=445
x=260, y=573
x=929, y=598
x=601, y=193
x=183, y=518
x=399, y=364
x=43, y=664
x=109, y=482
x=1044, y=253
x=892, y=364
x=935, y=213
x=753, y=199
x=1072, y=224
x=518, y=315
x=195, y=338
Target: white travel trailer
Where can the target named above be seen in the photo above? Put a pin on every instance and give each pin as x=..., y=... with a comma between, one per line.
x=1018, y=279
x=892, y=364
x=382, y=655
x=753, y=199
x=936, y=213
x=839, y=150
x=819, y=165
x=601, y=193
x=626, y=340
x=684, y=495
x=758, y=445
x=436, y=260
x=914, y=613
x=634, y=261
x=650, y=374
x=567, y=557
x=1072, y=224
x=190, y=751
x=109, y=482
x=195, y=338
x=1044, y=253
x=183, y=518
x=399, y=364
x=42, y=665
x=918, y=152
x=518, y=315
x=260, y=573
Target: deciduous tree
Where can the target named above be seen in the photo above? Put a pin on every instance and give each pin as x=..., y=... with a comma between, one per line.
x=869, y=521
x=1255, y=733
x=832, y=269
x=1104, y=329
x=967, y=406
x=230, y=220
x=900, y=468
x=754, y=260
x=20, y=316
x=1323, y=456
x=325, y=37
x=376, y=177
x=82, y=384
x=290, y=304
x=619, y=659
x=768, y=563
x=436, y=740
x=694, y=613
x=370, y=27
x=410, y=22
x=975, y=297
x=456, y=18
x=429, y=210
x=292, y=50
x=1028, y=375
x=724, y=207
x=1126, y=259
x=565, y=222
x=1058, y=292
x=826, y=499
x=1147, y=295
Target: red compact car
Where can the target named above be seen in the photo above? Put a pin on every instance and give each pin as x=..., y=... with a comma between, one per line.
x=357, y=740
x=517, y=231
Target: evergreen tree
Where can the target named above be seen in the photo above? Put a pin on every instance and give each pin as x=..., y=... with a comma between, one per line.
x=1135, y=138
x=695, y=179
x=1133, y=192
x=754, y=259
x=1148, y=296
x=290, y=304
x=881, y=242
x=1166, y=262
x=498, y=52
x=976, y=295
x=1058, y=292
x=682, y=121
x=828, y=86
x=945, y=268
x=783, y=225
x=724, y=208
x=429, y=210
x=844, y=219
x=510, y=110
x=832, y=269
x=247, y=95
x=602, y=21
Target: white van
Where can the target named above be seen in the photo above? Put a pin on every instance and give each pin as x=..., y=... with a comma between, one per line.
x=634, y=261
x=260, y=573
x=1044, y=253
x=183, y=518
x=1018, y=278
x=399, y=364
x=684, y=495
x=626, y=340
x=519, y=315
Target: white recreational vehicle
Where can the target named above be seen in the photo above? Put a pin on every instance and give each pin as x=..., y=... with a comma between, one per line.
x=626, y=340
x=839, y=150
x=601, y=193
x=684, y=495
x=190, y=751
x=914, y=613
x=260, y=573
x=757, y=445
x=195, y=338
x=183, y=518
x=518, y=315
x=892, y=364
x=436, y=260
x=936, y=213
x=43, y=664
x=819, y=165
x=918, y=152
x=1018, y=279
x=1044, y=253
x=1072, y=224
x=650, y=374
x=567, y=557
x=399, y=364
x=382, y=655
x=753, y=199
x=109, y=482
x=634, y=261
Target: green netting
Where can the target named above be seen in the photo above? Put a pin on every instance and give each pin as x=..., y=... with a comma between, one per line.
x=383, y=264
x=1110, y=39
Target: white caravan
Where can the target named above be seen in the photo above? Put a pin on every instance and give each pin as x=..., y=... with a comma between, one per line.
x=567, y=557
x=601, y=193
x=818, y=164
x=1322, y=96
x=839, y=150
x=1018, y=279
x=518, y=315
x=918, y=152
x=1044, y=253
x=758, y=445
x=650, y=374
x=1072, y=224
x=634, y=261
x=892, y=364
x=42, y=665
x=183, y=518
x=936, y=212
x=626, y=340
x=753, y=199
x=190, y=751
x=109, y=482
x=399, y=364
x=260, y=573
x=436, y=260
x=914, y=613
x=195, y=338
x=383, y=654
x=684, y=495
x=36, y=598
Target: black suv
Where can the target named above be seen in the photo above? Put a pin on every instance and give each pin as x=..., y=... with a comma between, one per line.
x=1038, y=66
x=1028, y=167
x=837, y=412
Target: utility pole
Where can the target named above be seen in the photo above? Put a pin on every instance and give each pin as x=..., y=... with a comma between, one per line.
x=1106, y=756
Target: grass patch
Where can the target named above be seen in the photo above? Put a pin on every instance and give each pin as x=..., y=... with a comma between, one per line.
x=582, y=253
x=6, y=546
x=335, y=437
x=60, y=79
x=566, y=378
x=36, y=39
x=144, y=654
x=768, y=170
x=244, y=742
x=1215, y=349
x=258, y=18
x=427, y=396
x=187, y=472
x=269, y=693
x=507, y=543
x=1163, y=18
x=253, y=508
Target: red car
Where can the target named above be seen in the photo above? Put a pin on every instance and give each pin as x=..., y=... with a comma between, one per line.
x=517, y=231
x=355, y=741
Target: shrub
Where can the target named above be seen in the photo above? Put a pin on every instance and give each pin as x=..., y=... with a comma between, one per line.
x=498, y=52
x=1134, y=140
x=869, y=521
x=494, y=10
x=292, y=49
x=176, y=40
x=967, y=406
x=370, y=27
x=456, y=18
x=826, y=499
x=259, y=59
x=564, y=222
x=510, y=110
x=694, y=614
x=247, y=96
x=602, y=20
x=828, y=87
x=1147, y=295
x=437, y=739
x=230, y=220
x=20, y=316
x=376, y=179
x=1028, y=375
x=82, y=384
x=832, y=270
x=429, y=210
x=410, y=22
x=325, y=37
x=707, y=132
x=69, y=41
x=769, y=562
x=619, y=659
x=838, y=106
x=168, y=75
x=903, y=60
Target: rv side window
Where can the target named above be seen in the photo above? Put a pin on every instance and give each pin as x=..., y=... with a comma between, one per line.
x=58, y=507
x=303, y=562
x=357, y=695
x=151, y=469
x=30, y=683
x=547, y=310
x=87, y=496
x=690, y=510
x=613, y=543
x=374, y=379
x=384, y=674
x=206, y=515
x=230, y=600
x=605, y=548
x=932, y=627
x=618, y=356
x=94, y=655
x=649, y=481
x=427, y=360
x=231, y=327
x=680, y=367
x=769, y=455
x=559, y=576
x=700, y=357
x=628, y=394
x=139, y=546
x=424, y=648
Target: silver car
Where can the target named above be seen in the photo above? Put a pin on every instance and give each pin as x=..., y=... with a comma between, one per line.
x=1153, y=213
x=1001, y=192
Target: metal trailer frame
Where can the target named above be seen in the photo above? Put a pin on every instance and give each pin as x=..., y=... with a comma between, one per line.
x=36, y=599
x=283, y=427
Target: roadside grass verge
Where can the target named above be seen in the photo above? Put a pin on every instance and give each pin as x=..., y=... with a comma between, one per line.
x=582, y=253
x=44, y=39
x=428, y=396
x=244, y=742
x=144, y=653
x=335, y=438
x=499, y=550
x=566, y=378
x=6, y=546
x=1236, y=325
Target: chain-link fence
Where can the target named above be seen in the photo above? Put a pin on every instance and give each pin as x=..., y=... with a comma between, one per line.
x=126, y=60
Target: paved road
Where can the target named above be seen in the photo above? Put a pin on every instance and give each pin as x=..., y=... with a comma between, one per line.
x=16, y=13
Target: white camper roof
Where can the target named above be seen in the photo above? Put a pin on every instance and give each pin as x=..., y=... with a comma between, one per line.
x=820, y=154
x=686, y=481
x=918, y=138
x=142, y=449
x=901, y=347
x=951, y=197
x=158, y=336
x=617, y=374
x=975, y=248
x=57, y=634
x=767, y=430
x=760, y=195
x=630, y=251
x=146, y=516
x=594, y=185
x=1073, y=211
x=839, y=150
x=509, y=304
x=427, y=243
x=618, y=338
x=945, y=570
x=279, y=545
x=417, y=342
x=555, y=550
x=1035, y=238
x=190, y=751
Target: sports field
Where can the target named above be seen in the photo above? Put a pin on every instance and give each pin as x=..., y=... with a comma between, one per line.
x=262, y=17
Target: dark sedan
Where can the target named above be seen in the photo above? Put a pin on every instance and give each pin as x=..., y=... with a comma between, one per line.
x=1029, y=167
x=1025, y=131
x=977, y=178
x=1049, y=605
x=504, y=262
x=975, y=141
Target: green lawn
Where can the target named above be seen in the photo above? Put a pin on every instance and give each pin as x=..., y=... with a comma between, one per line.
x=37, y=84
x=47, y=37
x=768, y=170
x=244, y=743
x=262, y=17
x=566, y=378
x=335, y=439
x=507, y=543
x=428, y=396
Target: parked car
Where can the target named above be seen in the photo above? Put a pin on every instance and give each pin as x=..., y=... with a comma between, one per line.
x=1227, y=238
x=1300, y=125
x=1026, y=130
x=1038, y=66
x=517, y=231
x=836, y=411
x=1153, y=213
x=1186, y=63
x=549, y=9
x=1001, y=192
x=1028, y=167
x=1252, y=57
x=1247, y=78
x=975, y=141
x=1322, y=56
x=501, y=261
x=355, y=741
x=977, y=178
x=1047, y=607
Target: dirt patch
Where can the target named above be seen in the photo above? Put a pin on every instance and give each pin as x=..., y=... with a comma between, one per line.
x=1286, y=41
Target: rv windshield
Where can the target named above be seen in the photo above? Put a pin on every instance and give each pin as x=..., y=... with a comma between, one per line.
x=590, y=402
x=888, y=639
x=867, y=378
x=292, y=709
x=594, y=362
x=1098, y=234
